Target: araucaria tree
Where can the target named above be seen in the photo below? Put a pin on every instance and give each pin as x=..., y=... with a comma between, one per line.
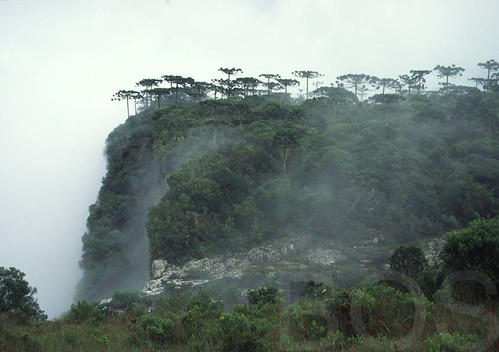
x=177, y=82
x=159, y=92
x=307, y=75
x=286, y=82
x=248, y=84
x=127, y=95
x=418, y=77
x=409, y=81
x=356, y=81
x=446, y=72
x=198, y=90
x=268, y=84
x=385, y=83
x=492, y=67
x=148, y=84
x=228, y=84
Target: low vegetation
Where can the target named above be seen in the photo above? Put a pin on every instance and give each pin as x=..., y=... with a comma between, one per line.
x=393, y=314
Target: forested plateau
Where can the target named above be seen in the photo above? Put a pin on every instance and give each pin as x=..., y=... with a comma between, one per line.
x=200, y=179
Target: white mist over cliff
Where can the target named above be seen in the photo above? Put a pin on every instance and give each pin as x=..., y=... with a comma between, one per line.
x=61, y=61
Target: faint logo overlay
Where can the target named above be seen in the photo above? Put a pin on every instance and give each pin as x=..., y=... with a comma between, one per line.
x=415, y=334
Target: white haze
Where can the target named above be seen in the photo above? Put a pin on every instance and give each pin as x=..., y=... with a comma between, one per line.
x=61, y=61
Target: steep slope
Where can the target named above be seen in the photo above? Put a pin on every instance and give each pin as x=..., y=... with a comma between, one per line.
x=223, y=176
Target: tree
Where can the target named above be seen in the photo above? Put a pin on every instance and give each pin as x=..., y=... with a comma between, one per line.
x=228, y=84
x=355, y=81
x=408, y=260
x=287, y=136
x=183, y=82
x=230, y=71
x=159, y=92
x=148, y=84
x=286, y=82
x=491, y=66
x=268, y=84
x=337, y=95
x=248, y=84
x=127, y=95
x=409, y=81
x=446, y=72
x=17, y=297
x=307, y=75
x=384, y=83
x=475, y=247
x=418, y=76
x=198, y=90
x=363, y=89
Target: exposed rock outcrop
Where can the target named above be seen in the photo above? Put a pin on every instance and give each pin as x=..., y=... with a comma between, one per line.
x=284, y=261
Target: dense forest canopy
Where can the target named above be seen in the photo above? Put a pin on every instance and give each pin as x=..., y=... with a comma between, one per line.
x=206, y=175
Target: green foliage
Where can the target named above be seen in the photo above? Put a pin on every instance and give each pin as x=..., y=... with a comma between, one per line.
x=455, y=342
x=114, y=223
x=225, y=175
x=17, y=298
x=408, y=260
x=242, y=332
x=368, y=318
x=377, y=309
x=263, y=295
x=83, y=311
x=475, y=247
x=129, y=301
x=159, y=331
x=309, y=319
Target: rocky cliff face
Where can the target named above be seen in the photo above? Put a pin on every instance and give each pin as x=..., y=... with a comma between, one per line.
x=289, y=263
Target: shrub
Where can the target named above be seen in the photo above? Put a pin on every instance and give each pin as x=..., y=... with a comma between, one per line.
x=475, y=247
x=377, y=310
x=408, y=260
x=129, y=301
x=454, y=342
x=263, y=295
x=154, y=330
x=240, y=332
x=83, y=311
x=308, y=319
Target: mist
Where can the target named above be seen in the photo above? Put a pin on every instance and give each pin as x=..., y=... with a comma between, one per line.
x=60, y=63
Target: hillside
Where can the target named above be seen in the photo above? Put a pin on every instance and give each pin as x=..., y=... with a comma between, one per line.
x=223, y=176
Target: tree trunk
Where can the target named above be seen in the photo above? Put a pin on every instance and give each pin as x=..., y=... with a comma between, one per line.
x=307, y=88
x=127, y=107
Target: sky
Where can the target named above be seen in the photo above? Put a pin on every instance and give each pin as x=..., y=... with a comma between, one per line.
x=62, y=60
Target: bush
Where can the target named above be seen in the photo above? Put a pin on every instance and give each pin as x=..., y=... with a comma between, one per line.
x=129, y=301
x=409, y=261
x=455, y=342
x=263, y=295
x=377, y=310
x=154, y=330
x=83, y=311
x=200, y=313
x=475, y=247
x=308, y=319
x=240, y=332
